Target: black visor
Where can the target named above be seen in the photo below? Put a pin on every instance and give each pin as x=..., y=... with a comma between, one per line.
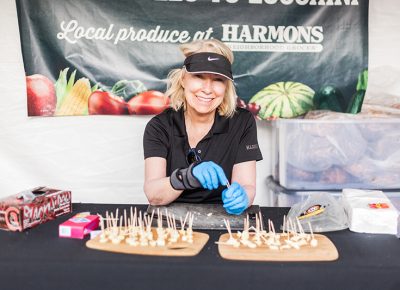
x=208, y=62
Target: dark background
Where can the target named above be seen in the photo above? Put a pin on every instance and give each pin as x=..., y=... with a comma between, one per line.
x=345, y=30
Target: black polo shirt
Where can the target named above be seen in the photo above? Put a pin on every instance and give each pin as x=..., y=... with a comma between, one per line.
x=230, y=141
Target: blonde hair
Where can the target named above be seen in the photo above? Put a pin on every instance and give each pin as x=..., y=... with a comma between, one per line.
x=175, y=90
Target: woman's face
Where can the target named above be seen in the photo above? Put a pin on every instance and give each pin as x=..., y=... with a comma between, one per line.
x=204, y=92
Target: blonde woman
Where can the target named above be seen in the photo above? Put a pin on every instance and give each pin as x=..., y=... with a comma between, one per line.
x=203, y=149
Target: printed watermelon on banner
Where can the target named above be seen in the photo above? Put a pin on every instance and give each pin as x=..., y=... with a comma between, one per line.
x=284, y=99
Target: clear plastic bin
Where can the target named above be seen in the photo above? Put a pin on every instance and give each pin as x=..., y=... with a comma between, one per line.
x=337, y=154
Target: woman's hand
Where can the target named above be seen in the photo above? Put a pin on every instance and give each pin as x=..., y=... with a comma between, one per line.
x=210, y=175
x=235, y=199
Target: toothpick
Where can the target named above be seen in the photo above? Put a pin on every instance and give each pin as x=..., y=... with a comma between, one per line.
x=173, y=219
x=186, y=216
x=159, y=219
x=272, y=227
x=107, y=221
x=101, y=223
x=112, y=221
x=116, y=214
x=231, y=241
x=131, y=213
x=120, y=232
x=300, y=227
x=167, y=217
x=151, y=219
x=294, y=227
x=135, y=219
x=311, y=231
x=168, y=223
x=313, y=242
x=284, y=224
x=126, y=221
x=191, y=219
x=103, y=237
x=261, y=222
x=228, y=227
x=257, y=224
x=140, y=222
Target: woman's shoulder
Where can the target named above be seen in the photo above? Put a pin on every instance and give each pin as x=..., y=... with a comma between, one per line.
x=242, y=114
x=242, y=119
x=164, y=119
x=164, y=116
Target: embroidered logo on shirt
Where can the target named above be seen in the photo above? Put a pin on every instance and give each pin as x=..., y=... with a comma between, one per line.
x=252, y=147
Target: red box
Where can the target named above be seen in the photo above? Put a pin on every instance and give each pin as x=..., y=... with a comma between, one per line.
x=78, y=226
x=32, y=207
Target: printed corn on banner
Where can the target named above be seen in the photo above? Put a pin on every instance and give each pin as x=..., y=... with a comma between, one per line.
x=112, y=57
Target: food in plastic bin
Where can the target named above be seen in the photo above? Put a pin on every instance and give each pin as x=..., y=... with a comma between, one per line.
x=336, y=150
x=318, y=146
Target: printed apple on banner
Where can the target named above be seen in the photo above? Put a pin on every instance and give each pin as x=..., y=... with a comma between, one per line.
x=41, y=95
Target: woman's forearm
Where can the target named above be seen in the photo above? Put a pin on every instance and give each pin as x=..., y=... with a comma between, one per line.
x=160, y=192
x=251, y=193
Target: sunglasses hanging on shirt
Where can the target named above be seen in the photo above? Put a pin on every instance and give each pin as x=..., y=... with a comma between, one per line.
x=192, y=156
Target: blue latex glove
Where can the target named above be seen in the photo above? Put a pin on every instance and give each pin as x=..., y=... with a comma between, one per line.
x=210, y=175
x=235, y=199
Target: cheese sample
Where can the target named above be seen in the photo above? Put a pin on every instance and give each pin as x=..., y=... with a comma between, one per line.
x=370, y=211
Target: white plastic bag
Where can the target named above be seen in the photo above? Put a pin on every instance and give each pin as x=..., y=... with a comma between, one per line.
x=322, y=210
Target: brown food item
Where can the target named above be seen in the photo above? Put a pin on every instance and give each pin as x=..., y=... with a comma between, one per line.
x=395, y=106
x=387, y=145
x=318, y=152
x=298, y=174
x=372, y=110
x=335, y=175
x=381, y=173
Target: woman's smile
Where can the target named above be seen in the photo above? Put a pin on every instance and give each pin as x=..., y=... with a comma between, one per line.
x=204, y=99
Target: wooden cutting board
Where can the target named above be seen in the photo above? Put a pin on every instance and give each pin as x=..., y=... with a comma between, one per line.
x=177, y=249
x=325, y=251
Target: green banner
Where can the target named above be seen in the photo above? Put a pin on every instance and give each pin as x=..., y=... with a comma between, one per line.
x=96, y=56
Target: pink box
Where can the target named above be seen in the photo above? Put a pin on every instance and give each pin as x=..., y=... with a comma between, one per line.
x=78, y=226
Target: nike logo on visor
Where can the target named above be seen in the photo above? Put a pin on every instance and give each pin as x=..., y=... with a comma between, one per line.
x=212, y=59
